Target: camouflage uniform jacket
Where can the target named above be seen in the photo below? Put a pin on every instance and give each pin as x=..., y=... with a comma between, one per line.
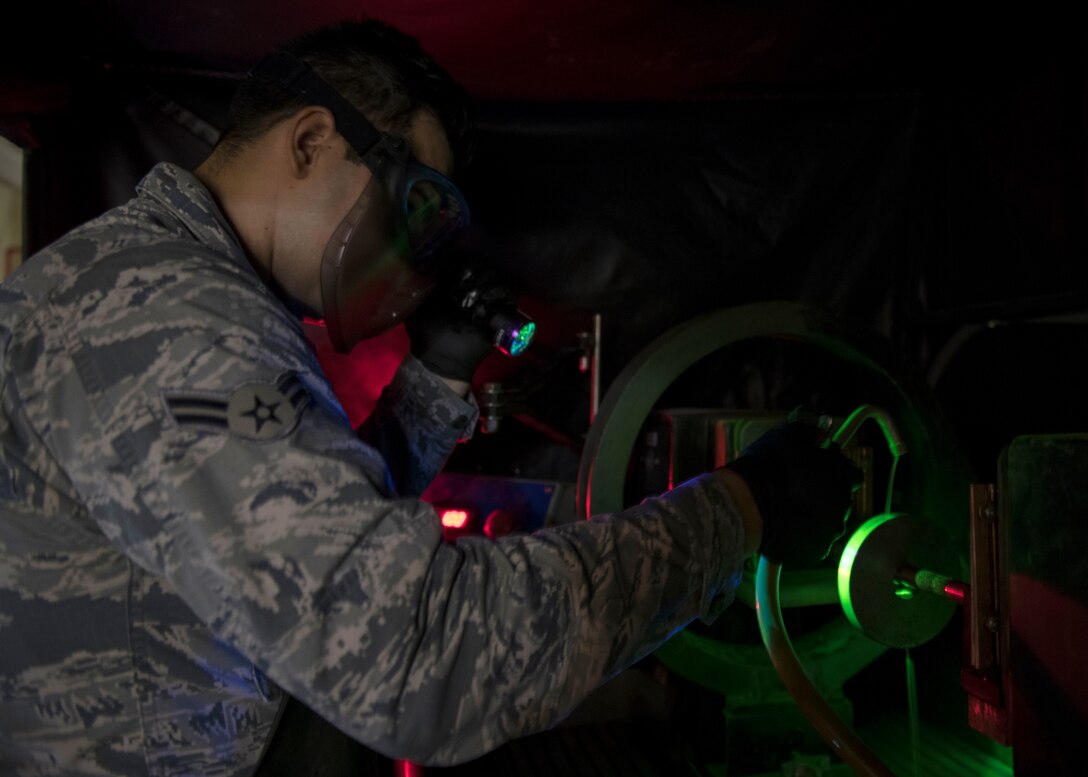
x=188, y=525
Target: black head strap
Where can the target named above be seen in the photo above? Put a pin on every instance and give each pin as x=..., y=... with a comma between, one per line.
x=295, y=76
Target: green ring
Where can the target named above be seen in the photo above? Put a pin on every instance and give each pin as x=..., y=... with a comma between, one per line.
x=846, y=563
x=633, y=394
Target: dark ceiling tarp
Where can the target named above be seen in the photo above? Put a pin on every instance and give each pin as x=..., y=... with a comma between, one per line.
x=679, y=207
x=559, y=50
x=919, y=168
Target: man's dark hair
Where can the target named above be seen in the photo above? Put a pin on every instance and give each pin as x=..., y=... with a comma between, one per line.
x=384, y=73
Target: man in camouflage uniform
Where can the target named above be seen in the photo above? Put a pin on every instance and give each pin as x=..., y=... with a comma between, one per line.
x=190, y=530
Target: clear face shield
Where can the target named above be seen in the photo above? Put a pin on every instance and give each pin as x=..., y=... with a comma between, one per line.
x=382, y=260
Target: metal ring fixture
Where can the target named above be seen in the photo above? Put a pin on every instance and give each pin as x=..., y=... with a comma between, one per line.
x=937, y=489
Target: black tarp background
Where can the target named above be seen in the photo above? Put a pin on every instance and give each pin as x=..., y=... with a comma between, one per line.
x=945, y=215
x=670, y=209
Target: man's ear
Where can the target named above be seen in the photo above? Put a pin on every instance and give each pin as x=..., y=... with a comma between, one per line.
x=312, y=131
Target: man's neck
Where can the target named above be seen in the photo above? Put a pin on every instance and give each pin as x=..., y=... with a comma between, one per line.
x=244, y=205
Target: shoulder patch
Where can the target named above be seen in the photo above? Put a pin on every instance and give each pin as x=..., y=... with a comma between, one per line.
x=254, y=411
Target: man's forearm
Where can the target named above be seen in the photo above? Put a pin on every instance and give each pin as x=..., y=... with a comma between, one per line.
x=746, y=506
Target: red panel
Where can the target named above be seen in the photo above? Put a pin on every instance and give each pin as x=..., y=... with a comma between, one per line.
x=358, y=378
x=1050, y=685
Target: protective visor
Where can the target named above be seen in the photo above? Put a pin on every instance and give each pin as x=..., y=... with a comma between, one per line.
x=381, y=260
x=434, y=210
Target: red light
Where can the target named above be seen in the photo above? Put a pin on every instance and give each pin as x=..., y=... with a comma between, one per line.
x=454, y=519
x=956, y=591
x=500, y=523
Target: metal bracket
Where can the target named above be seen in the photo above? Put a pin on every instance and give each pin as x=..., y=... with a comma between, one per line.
x=982, y=676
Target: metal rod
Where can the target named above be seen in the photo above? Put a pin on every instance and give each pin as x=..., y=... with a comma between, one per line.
x=850, y=426
x=595, y=370
x=941, y=585
x=912, y=715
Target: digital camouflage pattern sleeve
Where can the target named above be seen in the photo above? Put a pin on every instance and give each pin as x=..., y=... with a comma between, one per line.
x=416, y=423
x=185, y=512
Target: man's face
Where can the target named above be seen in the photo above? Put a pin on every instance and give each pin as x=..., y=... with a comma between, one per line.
x=373, y=270
x=346, y=181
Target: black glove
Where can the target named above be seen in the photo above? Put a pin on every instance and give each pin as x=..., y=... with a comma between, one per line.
x=446, y=342
x=802, y=491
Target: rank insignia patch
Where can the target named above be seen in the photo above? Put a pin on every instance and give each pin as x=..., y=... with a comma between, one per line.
x=255, y=411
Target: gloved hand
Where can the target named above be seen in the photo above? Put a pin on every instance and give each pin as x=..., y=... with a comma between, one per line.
x=446, y=342
x=802, y=491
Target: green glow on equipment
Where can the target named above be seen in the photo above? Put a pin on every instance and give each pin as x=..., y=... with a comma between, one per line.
x=846, y=563
x=885, y=585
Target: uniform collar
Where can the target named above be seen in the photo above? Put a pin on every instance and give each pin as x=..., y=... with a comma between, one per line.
x=191, y=202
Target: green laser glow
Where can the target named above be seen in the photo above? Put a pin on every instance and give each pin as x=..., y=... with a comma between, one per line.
x=849, y=556
x=522, y=337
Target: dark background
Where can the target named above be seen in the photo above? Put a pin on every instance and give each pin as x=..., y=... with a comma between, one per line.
x=919, y=169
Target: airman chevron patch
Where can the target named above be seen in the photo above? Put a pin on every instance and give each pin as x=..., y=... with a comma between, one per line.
x=254, y=411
